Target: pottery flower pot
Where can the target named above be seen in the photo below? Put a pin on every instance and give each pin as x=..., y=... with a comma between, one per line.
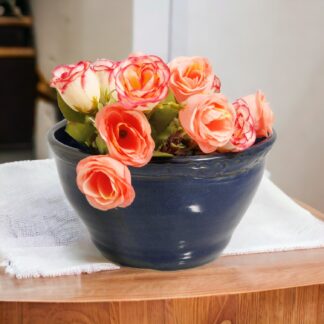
x=185, y=210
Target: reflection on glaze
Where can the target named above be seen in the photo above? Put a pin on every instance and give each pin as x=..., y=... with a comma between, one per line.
x=186, y=256
x=195, y=208
x=181, y=244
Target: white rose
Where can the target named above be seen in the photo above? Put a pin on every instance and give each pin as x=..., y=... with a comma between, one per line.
x=103, y=69
x=78, y=85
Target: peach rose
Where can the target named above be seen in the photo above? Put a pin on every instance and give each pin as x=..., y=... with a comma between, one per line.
x=244, y=132
x=78, y=85
x=141, y=81
x=261, y=113
x=127, y=134
x=209, y=120
x=104, y=69
x=192, y=75
x=105, y=182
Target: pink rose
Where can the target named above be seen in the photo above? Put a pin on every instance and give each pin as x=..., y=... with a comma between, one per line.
x=244, y=132
x=209, y=120
x=104, y=69
x=105, y=182
x=190, y=76
x=78, y=85
x=127, y=134
x=141, y=81
x=261, y=113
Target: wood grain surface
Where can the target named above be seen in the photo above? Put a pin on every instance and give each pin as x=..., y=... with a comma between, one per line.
x=15, y=52
x=281, y=287
x=25, y=21
x=227, y=275
x=294, y=305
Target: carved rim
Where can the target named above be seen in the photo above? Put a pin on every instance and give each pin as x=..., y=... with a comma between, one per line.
x=78, y=153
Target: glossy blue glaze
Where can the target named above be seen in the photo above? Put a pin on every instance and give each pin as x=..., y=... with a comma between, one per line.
x=185, y=211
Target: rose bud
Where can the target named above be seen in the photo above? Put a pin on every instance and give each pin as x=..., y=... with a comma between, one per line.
x=216, y=84
x=190, y=76
x=78, y=86
x=209, y=120
x=104, y=69
x=105, y=182
x=244, y=132
x=127, y=134
x=141, y=81
x=261, y=113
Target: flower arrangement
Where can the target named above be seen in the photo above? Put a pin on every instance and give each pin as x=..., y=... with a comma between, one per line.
x=126, y=112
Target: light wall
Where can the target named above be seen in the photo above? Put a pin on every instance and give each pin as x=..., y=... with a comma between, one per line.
x=67, y=31
x=277, y=46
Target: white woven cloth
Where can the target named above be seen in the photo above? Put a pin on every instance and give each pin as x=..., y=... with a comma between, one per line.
x=40, y=235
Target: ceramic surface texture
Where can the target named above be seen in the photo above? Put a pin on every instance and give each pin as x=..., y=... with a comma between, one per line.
x=185, y=210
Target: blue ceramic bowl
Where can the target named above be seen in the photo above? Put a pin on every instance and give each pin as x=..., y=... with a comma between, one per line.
x=185, y=210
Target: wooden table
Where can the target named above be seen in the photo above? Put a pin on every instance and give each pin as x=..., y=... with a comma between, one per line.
x=281, y=287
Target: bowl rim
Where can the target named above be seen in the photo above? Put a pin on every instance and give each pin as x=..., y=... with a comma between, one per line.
x=265, y=142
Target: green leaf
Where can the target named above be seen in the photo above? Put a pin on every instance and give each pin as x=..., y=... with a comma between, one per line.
x=82, y=133
x=162, y=154
x=101, y=145
x=104, y=97
x=172, y=128
x=169, y=98
x=68, y=112
x=112, y=98
x=161, y=117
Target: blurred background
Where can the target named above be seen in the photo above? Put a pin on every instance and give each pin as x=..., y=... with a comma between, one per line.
x=276, y=46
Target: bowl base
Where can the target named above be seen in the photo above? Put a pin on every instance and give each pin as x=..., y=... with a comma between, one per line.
x=158, y=264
